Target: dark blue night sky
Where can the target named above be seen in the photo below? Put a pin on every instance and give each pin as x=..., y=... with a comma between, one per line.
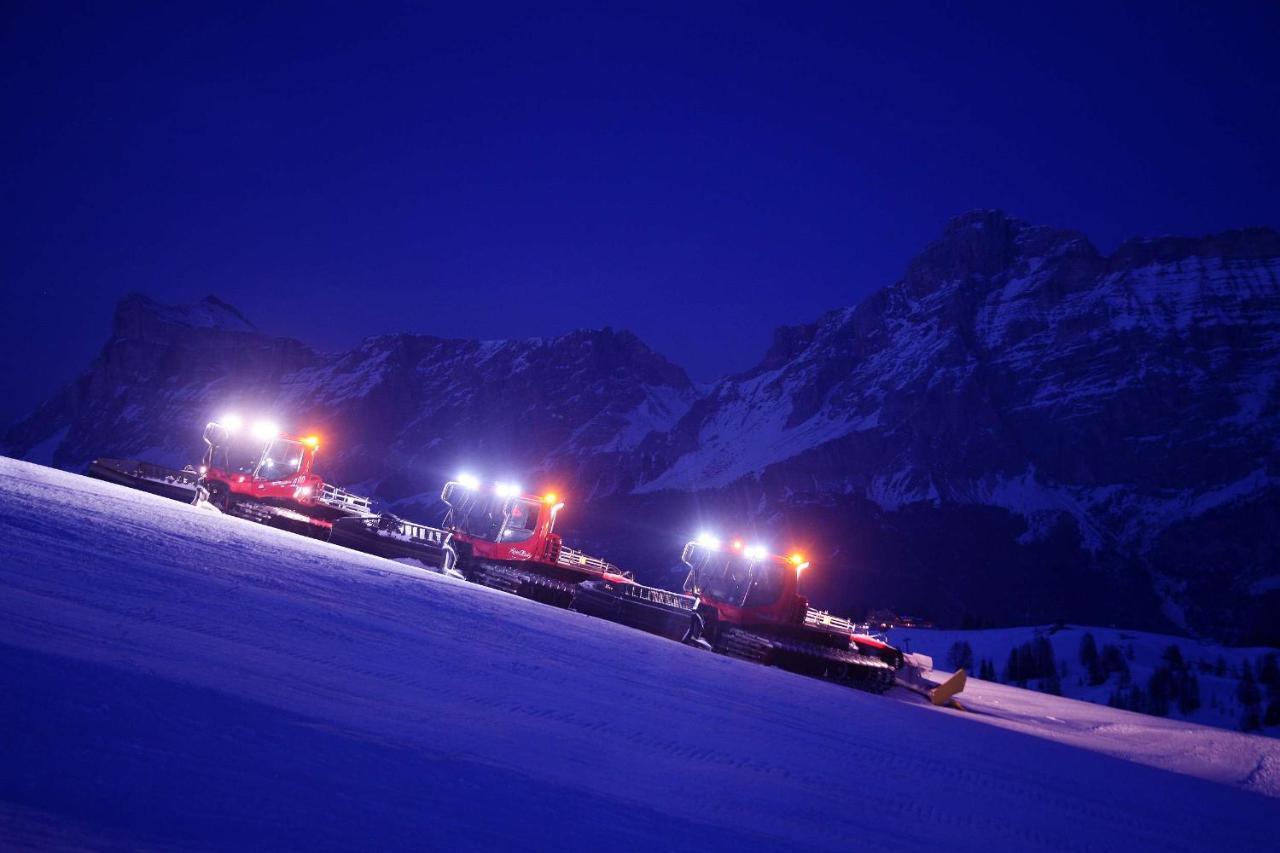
x=339, y=170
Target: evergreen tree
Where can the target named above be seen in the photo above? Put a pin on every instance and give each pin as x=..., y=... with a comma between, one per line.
x=1248, y=693
x=1221, y=668
x=1269, y=673
x=1026, y=663
x=1042, y=658
x=1013, y=668
x=1272, y=717
x=1130, y=699
x=1189, y=694
x=1173, y=656
x=1051, y=685
x=1250, y=721
x=1088, y=651
x=1112, y=659
x=1161, y=689
x=1097, y=675
x=960, y=656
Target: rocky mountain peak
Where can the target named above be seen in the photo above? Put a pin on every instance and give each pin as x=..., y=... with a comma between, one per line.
x=137, y=316
x=1248, y=244
x=982, y=244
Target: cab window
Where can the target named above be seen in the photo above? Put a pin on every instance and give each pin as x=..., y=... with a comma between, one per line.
x=522, y=521
x=236, y=457
x=766, y=584
x=727, y=580
x=482, y=517
x=282, y=459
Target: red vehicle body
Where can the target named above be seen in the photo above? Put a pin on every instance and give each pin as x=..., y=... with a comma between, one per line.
x=268, y=476
x=758, y=592
x=747, y=603
x=506, y=539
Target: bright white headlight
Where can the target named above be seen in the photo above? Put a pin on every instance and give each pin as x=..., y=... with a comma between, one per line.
x=264, y=430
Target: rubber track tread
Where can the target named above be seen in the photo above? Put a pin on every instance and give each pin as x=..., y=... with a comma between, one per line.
x=855, y=670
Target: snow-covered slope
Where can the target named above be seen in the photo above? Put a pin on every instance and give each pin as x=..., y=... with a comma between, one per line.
x=178, y=679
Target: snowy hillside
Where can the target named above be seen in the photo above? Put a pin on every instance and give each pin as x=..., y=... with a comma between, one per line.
x=1215, y=671
x=176, y=679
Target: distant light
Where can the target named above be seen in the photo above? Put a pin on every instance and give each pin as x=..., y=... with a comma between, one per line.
x=264, y=430
x=737, y=545
x=231, y=422
x=506, y=490
x=550, y=497
x=796, y=559
x=303, y=491
x=312, y=440
x=204, y=469
x=468, y=482
x=756, y=552
x=707, y=540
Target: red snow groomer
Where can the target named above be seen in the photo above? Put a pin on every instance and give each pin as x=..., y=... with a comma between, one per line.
x=505, y=539
x=267, y=475
x=745, y=602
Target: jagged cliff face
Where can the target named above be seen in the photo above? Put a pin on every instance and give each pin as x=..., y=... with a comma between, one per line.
x=1013, y=358
x=1021, y=428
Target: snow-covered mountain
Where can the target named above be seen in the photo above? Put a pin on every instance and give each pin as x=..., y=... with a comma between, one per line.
x=397, y=413
x=1020, y=430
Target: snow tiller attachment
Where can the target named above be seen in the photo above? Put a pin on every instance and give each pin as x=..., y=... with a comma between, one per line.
x=392, y=537
x=657, y=611
x=174, y=483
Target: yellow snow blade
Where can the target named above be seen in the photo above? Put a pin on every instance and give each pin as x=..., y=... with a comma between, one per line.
x=944, y=692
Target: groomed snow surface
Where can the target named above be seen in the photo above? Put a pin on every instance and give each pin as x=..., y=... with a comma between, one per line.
x=175, y=679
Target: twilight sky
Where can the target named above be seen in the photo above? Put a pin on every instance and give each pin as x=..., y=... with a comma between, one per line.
x=699, y=177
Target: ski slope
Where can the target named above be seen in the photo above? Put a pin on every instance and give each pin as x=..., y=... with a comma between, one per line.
x=176, y=679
